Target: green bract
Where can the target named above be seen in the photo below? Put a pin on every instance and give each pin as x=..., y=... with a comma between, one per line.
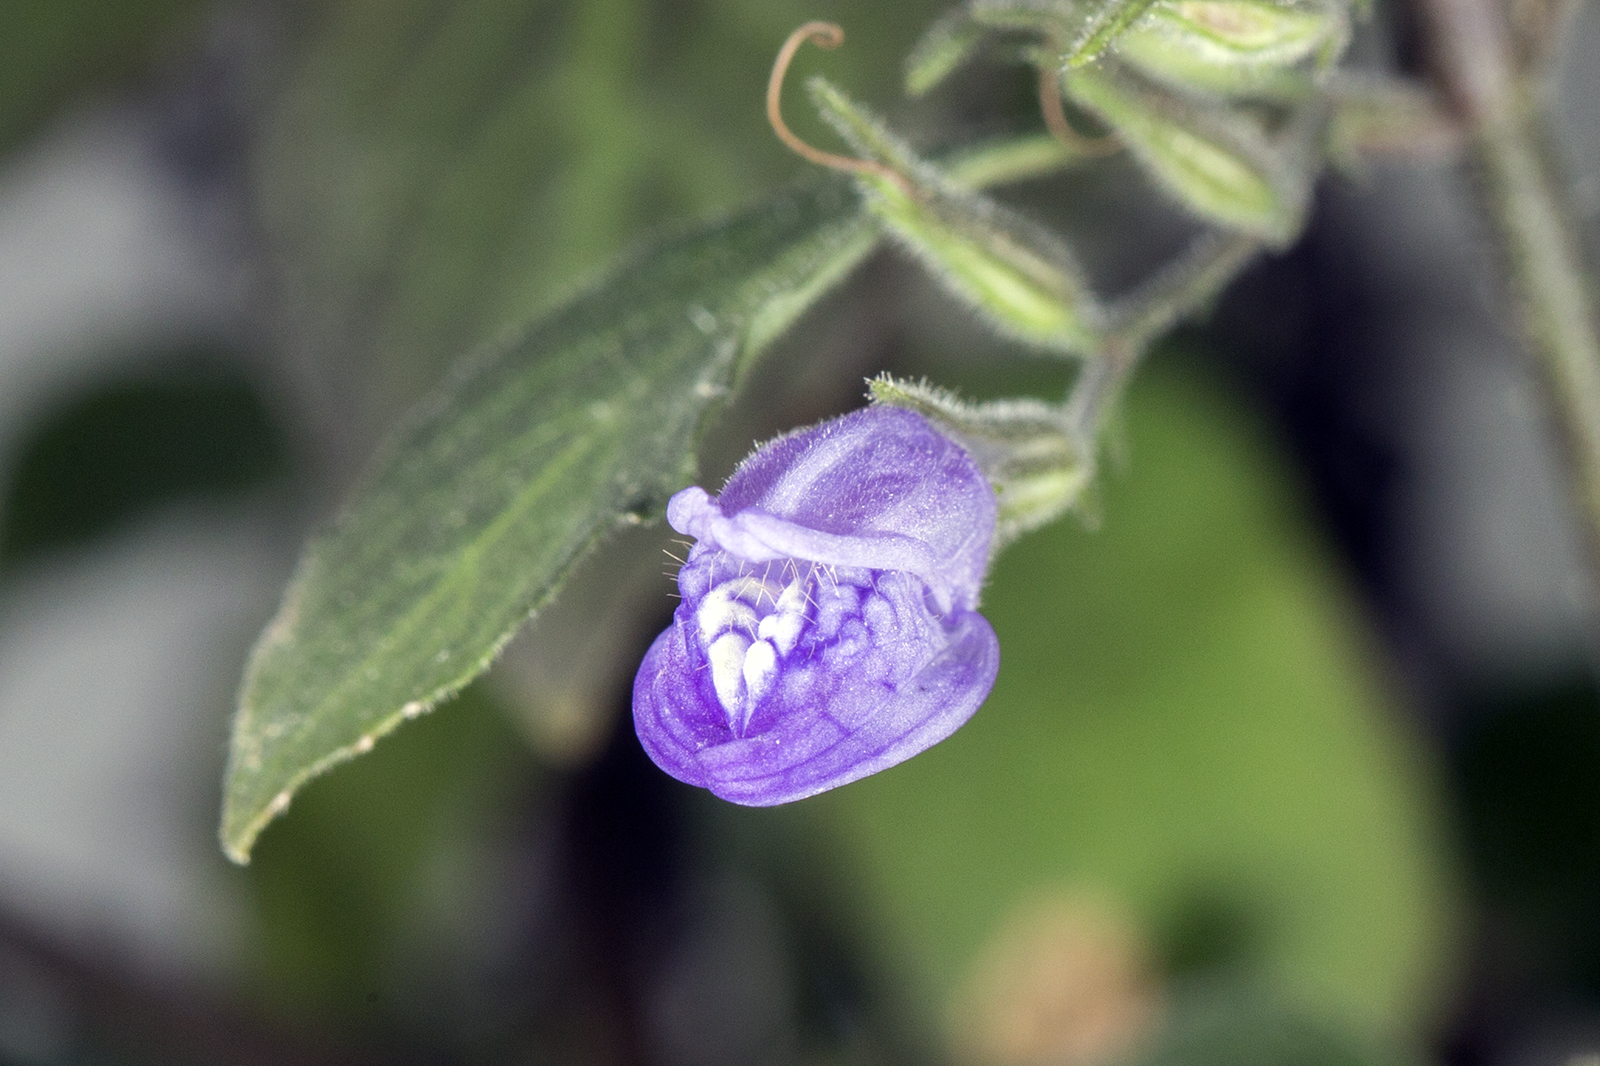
x=1106, y=23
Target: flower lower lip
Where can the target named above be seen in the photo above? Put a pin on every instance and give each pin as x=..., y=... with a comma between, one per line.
x=849, y=732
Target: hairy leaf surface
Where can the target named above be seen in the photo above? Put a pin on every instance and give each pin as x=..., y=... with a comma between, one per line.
x=529, y=454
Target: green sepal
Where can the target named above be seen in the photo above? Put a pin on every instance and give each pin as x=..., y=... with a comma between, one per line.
x=1010, y=159
x=1157, y=58
x=1217, y=162
x=1020, y=278
x=954, y=39
x=1229, y=47
x=1038, y=467
x=947, y=45
x=1073, y=33
x=1102, y=29
x=1079, y=33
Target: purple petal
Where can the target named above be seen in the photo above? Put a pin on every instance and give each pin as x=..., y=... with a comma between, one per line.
x=827, y=629
x=877, y=471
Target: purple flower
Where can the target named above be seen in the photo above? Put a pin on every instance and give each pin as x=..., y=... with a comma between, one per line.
x=828, y=628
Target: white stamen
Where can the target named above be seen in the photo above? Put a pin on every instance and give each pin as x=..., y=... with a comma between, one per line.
x=783, y=629
x=720, y=611
x=760, y=670
x=794, y=597
x=753, y=590
x=727, y=673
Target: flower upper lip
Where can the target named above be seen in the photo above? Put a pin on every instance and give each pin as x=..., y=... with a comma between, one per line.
x=757, y=536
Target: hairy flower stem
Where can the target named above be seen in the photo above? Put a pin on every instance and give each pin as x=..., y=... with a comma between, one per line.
x=1183, y=287
x=1525, y=201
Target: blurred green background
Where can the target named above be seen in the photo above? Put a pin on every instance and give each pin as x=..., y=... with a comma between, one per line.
x=1265, y=778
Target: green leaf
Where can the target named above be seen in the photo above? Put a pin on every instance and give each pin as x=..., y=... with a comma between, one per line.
x=428, y=171
x=480, y=507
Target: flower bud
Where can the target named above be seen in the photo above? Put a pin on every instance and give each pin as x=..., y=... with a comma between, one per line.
x=1018, y=276
x=828, y=625
x=1218, y=163
x=1230, y=47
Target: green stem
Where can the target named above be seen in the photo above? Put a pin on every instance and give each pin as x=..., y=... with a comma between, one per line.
x=1525, y=202
x=1010, y=159
x=1187, y=284
x=1389, y=117
x=1180, y=289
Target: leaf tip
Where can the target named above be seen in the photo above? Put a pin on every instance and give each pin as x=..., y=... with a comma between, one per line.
x=238, y=837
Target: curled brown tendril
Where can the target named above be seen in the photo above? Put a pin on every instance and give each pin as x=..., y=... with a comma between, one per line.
x=1055, y=118
x=823, y=35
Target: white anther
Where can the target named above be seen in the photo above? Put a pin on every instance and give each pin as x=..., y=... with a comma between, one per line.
x=727, y=673
x=794, y=597
x=756, y=591
x=720, y=610
x=760, y=670
x=782, y=628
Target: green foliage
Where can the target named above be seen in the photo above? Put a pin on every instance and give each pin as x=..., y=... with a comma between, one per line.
x=53, y=50
x=484, y=502
x=1009, y=159
x=433, y=171
x=1240, y=169
x=1103, y=26
x=190, y=429
x=1188, y=719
